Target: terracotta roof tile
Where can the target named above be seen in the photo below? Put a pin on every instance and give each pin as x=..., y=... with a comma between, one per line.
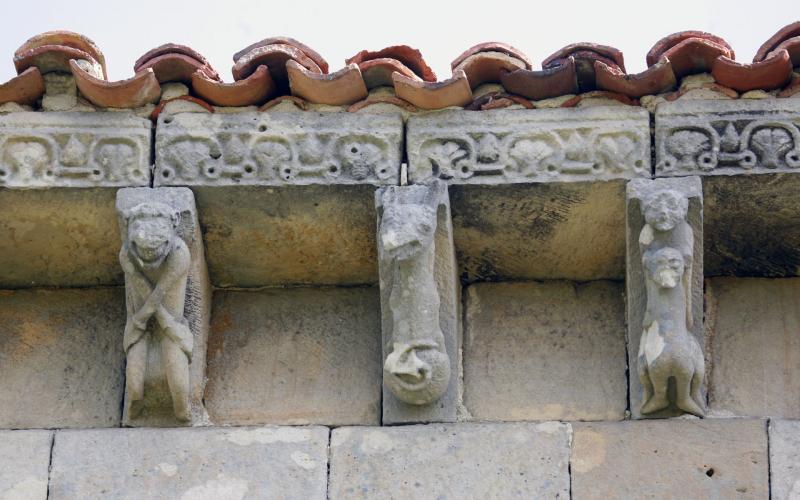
x=255, y=89
x=54, y=58
x=556, y=81
x=695, y=55
x=492, y=47
x=142, y=89
x=792, y=46
x=485, y=67
x=285, y=40
x=64, y=39
x=275, y=58
x=656, y=79
x=434, y=95
x=169, y=48
x=408, y=57
x=174, y=67
x=771, y=73
x=26, y=88
x=340, y=88
x=378, y=72
x=585, y=54
x=669, y=41
x=789, y=31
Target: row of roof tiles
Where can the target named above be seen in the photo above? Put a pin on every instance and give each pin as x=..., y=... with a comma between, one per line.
x=281, y=66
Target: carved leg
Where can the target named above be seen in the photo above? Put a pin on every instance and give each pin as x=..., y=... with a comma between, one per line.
x=176, y=366
x=697, y=384
x=659, y=400
x=134, y=375
x=644, y=379
x=683, y=399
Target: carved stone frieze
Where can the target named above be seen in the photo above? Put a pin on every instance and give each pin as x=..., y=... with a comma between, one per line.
x=665, y=310
x=167, y=297
x=278, y=149
x=494, y=147
x=74, y=150
x=727, y=137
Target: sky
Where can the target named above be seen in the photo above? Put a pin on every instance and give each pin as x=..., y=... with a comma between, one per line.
x=339, y=29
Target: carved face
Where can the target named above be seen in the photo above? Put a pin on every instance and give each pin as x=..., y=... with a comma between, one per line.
x=664, y=209
x=407, y=229
x=417, y=373
x=150, y=233
x=664, y=266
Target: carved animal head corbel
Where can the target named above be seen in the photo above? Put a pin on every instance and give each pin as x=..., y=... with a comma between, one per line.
x=417, y=373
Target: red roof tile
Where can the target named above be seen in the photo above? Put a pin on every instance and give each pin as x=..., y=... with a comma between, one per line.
x=342, y=87
x=789, y=31
x=585, y=55
x=26, y=88
x=485, y=67
x=669, y=41
x=434, y=95
x=556, y=81
x=64, y=39
x=656, y=79
x=275, y=58
x=407, y=56
x=492, y=47
x=142, y=89
x=695, y=55
x=285, y=40
x=255, y=89
x=771, y=73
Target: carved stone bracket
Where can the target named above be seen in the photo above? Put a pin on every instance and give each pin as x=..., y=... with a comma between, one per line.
x=665, y=297
x=727, y=137
x=168, y=299
x=501, y=146
x=419, y=304
x=74, y=150
x=278, y=149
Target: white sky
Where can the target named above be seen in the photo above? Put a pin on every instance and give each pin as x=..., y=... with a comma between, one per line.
x=339, y=29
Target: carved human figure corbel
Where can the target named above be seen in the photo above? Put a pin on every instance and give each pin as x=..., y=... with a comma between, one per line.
x=668, y=349
x=417, y=370
x=156, y=263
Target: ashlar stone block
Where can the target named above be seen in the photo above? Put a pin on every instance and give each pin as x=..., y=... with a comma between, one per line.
x=665, y=297
x=753, y=325
x=666, y=459
x=727, y=137
x=295, y=356
x=503, y=146
x=275, y=149
x=545, y=351
x=168, y=301
x=419, y=304
x=268, y=462
x=61, y=358
x=784, y=459
x=74, y=149
x=24, y=464
x=465, y=461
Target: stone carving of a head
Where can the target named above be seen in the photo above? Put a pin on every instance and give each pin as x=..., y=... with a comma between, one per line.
x=407, y=229
x=151, y=231
x=664, y=266
x=664, y=209
x=417, y=372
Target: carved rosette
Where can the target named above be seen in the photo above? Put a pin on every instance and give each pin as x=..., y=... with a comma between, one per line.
x=278, y=149
x=74, y=150
x=520, y=145
x=726, y=138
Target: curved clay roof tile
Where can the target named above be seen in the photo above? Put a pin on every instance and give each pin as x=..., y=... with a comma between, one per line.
x=669, y=41
x=66, y=39
x=174, y=67
x=275, y=58
x=434, y=95
x=340, y=88
x=378, y=72
x=556, y=81
x=134, y=92
x=695, y=55
x=589, y=50
x=285, y=40
x=169, y=48
x=25, y=88
x=486, y=67
x=54, y=59
x=255, y=89
x=492, y=47
x=789, y=31
x=792, y=46
x=656, y=79
x=771, y=73
x=409, y=57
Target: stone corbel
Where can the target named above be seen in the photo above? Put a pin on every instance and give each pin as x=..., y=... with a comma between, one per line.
x=419, y=304
x=168, y=300
x=665, y=297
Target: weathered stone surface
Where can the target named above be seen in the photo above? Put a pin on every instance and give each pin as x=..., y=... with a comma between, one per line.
x=784, y=459
x=752, y=226
x=545, y=351
x=58, y=237
x=665, y=297
x=24, y=462
x=501, y=146
x=540, y=231
x=295, y=356
x=678, y=458
x=61, y=358
x=420, y=304
x=168, y=300
x=74, y=150
x=466, y=461
x=727, y=137
x=267, y=462
x=278, y=149
x=753, y=324
x=313, y=235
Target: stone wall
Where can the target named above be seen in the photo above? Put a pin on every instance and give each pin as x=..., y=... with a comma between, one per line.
x=488, y=279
